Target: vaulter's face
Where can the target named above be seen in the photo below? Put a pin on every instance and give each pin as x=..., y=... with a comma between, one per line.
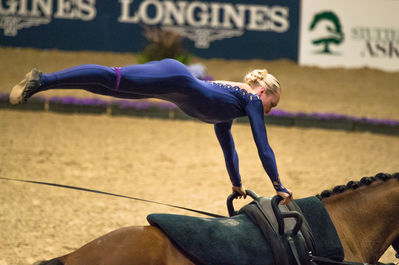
x=269, y=101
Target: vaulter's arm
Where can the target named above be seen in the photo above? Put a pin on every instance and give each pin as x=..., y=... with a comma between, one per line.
x=223, y=134
x=256, y=118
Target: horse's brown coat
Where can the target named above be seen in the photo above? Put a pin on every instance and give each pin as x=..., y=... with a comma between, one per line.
x=128, y=246
x=367, y=219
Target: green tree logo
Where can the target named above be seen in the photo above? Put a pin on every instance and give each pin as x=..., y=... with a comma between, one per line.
x=332, y=27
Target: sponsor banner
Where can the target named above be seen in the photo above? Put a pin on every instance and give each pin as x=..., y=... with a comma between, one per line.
x=350, y=33
x=264, y=29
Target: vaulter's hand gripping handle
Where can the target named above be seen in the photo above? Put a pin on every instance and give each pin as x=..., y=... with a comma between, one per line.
x=280, y=216
x=230, y=207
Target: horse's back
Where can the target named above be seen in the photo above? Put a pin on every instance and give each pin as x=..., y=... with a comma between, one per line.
x=128, y=246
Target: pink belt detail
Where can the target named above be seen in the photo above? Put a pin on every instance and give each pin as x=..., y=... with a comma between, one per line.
x=118, y=76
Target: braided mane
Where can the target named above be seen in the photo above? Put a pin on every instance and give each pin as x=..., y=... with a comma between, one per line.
x=353, y=185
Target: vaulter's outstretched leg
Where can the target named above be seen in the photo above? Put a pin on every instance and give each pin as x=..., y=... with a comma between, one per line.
x=97, y=79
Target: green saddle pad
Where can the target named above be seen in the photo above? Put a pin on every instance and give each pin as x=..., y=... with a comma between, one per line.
x=235, y=240
x=238, y=241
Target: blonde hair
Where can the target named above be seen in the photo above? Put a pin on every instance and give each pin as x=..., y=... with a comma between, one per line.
x=264, y=79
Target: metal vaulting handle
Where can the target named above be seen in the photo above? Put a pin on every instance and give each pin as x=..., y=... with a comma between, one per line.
x=280, y=216
x=230, y=206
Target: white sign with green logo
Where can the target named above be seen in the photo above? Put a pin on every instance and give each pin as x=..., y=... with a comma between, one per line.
x=350, y=33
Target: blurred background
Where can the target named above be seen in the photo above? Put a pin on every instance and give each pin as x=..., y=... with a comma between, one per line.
x=337, y=120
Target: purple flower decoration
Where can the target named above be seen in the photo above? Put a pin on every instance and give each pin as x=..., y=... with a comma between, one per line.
x=4, y=96
x=164, y=105
x=282, y=113
x=333, y=117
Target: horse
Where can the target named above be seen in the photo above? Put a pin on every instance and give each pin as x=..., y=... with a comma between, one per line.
x=365, y=214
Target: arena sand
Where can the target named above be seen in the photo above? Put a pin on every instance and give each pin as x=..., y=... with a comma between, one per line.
x=176, y=162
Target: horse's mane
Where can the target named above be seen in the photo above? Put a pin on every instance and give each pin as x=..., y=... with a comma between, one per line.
x=352, y=185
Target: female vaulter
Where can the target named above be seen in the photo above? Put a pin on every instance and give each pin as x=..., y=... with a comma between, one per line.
x=218, y=102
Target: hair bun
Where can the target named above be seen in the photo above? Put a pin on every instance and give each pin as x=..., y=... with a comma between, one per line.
x=255, y=76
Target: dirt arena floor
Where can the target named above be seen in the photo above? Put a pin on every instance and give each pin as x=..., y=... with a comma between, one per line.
x=175, y=162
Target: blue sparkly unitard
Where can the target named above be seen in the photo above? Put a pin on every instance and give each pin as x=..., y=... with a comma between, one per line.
x=170, y=80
